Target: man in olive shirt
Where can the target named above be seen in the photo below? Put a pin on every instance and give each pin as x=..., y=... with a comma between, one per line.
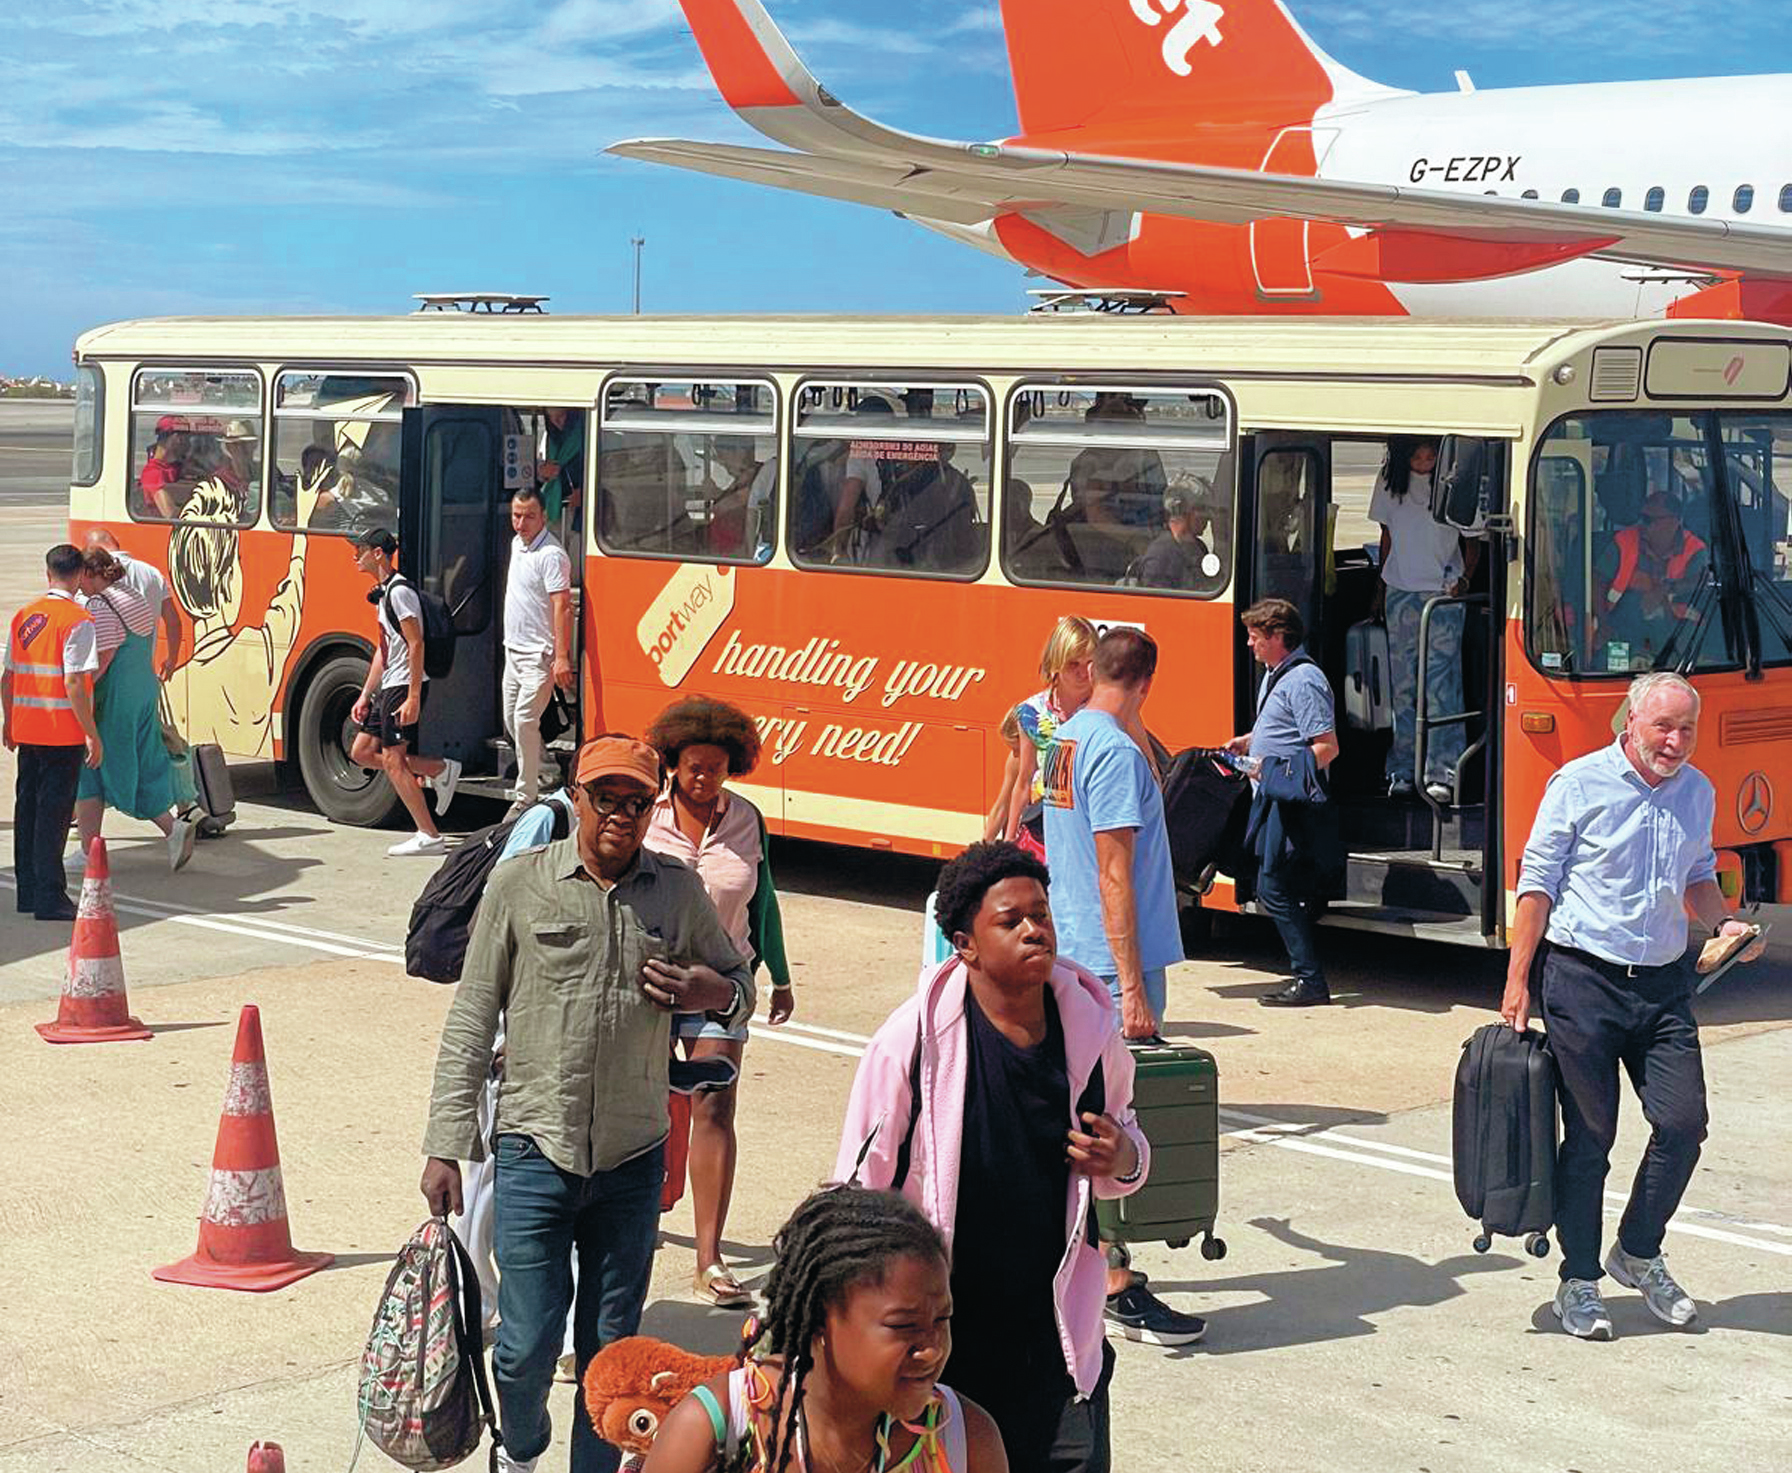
x=585, y=948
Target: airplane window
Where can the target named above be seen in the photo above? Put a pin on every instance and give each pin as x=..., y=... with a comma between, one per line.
x=1697, y=200
x=1529, y=194
x=1786, y=199
x=1744, y=200
x=1571, y=196
x=1655, y=199
x=1613, y=198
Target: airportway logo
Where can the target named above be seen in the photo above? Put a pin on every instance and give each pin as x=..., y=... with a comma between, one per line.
x=1200, y=21
x=684, y=618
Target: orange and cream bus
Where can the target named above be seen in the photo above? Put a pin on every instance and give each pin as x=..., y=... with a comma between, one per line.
x=862, y=529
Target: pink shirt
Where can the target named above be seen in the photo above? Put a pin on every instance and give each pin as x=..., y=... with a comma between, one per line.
x=727, y=861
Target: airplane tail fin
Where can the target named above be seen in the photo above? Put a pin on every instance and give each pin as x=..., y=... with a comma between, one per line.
x=1077, y=62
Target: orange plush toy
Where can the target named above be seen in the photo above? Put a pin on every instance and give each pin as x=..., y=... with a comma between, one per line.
x=631, y=1384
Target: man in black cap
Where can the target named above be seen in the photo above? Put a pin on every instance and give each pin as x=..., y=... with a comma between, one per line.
x=392, y=697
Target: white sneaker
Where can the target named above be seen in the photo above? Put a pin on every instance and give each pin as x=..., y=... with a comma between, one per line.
x=426, y=844
x=1666, y=1300
x=180, y=843
x=445, y=782
x=504, y=1463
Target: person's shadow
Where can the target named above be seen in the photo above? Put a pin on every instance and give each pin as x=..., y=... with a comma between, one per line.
x=1337, y=1301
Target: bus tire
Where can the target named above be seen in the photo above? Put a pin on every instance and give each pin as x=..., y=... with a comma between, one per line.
x=342, y=791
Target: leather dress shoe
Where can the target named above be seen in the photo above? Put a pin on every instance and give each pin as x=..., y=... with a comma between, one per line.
x=57, y=910
x=1298, y=994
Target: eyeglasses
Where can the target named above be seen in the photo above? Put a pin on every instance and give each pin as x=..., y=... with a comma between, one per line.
x=609, y=804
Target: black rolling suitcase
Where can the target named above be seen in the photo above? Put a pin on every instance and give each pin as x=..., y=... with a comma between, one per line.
x=1503, y=1136
x=1206, y=806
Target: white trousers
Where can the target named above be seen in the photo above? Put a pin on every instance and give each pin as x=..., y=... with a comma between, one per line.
x=527, y=689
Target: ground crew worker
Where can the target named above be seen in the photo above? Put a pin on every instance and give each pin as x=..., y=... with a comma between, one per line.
x=1648, y=578
x=1619, y=853
x=46, y=694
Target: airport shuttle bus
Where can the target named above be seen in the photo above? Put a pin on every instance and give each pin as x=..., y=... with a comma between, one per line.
x=861, y=530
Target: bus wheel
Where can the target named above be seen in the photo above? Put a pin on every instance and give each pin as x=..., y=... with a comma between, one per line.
x=342, y=790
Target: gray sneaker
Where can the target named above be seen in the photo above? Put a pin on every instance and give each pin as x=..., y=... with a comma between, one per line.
x=1667, y=1301
x=1581, y=1310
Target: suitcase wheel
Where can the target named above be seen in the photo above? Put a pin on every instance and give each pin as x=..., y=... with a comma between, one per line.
x=1213, y=1248
x=1537, y=1245
x=1175, y=1242
x=1483, y=1241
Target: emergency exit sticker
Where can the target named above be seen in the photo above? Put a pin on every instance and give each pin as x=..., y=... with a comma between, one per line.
x=693, y=605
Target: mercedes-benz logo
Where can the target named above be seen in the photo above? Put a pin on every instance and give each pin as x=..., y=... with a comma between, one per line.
x=1754, y=803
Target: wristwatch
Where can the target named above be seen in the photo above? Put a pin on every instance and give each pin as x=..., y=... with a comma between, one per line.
x=731, y=1013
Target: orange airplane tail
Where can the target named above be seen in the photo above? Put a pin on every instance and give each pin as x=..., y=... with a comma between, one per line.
x=1079, y=63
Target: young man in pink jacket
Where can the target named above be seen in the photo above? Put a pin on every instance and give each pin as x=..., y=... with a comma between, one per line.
x=999, y=1100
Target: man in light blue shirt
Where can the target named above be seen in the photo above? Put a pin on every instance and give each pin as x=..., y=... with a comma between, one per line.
x=1619, y=854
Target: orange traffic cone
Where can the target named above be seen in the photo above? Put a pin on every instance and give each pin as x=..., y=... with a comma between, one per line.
x=266, y=1457
x=93, y=1007
x=244, y=1239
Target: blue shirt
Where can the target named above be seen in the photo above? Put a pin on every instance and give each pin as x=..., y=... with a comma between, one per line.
x=536, y=825
x=1615, y=857
x=1298, y=709
x=1097, y=781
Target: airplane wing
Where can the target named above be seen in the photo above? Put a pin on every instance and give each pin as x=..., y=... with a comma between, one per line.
x=838, y=153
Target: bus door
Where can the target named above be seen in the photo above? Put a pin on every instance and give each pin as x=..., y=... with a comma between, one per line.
x=454, y=522
x=1283, y=547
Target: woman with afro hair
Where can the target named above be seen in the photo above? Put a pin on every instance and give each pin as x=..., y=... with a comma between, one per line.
x=703, y=743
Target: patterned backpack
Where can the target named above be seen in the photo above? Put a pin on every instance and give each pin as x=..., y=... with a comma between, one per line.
x=424, y=1399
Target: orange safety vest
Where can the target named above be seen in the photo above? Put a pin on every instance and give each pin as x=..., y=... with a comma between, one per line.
x=1630, y=547
x=42, y=715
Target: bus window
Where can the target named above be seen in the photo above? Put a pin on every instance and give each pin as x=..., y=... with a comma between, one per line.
x=1756, y=451
x=688, y=469
x=1621, y=561
x=1288, y=540
x=90, y=417
x=1118, y=486
x=195, y=446
x=338, y=434
x=891, y=476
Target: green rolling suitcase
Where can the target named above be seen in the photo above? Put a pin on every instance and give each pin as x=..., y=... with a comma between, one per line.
x=1176, y=1092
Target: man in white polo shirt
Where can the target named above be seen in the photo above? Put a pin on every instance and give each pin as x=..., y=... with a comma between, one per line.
x=537, y=636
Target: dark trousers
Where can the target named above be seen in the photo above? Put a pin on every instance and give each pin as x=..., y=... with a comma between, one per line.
x=543, y=1215
x=43, y=807
x=1290, y=904
x=1598, y=1019
x=1044, y=1427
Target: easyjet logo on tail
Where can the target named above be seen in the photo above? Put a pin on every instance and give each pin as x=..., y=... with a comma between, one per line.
x=1199, y=21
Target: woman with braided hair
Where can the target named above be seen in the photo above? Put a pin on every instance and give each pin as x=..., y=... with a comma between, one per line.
x=841, y=1374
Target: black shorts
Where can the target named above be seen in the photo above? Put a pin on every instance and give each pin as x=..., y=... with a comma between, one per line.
x=382, y=717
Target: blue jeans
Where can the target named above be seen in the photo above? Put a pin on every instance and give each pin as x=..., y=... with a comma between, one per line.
x=1443, y=684
x=544, y=1215
x=1296, y=914
x=1156, y=993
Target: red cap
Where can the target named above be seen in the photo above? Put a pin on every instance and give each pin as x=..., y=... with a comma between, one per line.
x=619, y=756
x=171, y=424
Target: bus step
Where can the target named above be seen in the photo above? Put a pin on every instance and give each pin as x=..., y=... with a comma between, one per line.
x=1411, y=880
x=1391, y=920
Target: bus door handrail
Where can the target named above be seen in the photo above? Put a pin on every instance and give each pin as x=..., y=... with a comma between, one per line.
x=1424, y=722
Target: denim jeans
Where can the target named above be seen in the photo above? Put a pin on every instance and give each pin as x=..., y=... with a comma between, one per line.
x=1600, y=1020
x=1296, y=914
x=1443, y=684
x=544, y=1215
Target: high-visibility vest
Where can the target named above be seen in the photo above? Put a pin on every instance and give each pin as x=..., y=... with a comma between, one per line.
x=42, y=715
x=1630, y=549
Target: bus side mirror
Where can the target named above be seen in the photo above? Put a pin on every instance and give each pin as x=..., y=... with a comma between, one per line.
x=1462, y=488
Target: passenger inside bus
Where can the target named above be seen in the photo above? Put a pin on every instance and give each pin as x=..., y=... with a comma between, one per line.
x=1112, y=485
x=926, y=518
x=1179, y=557
x=163, y=482
x=737, y=496
x=1646, y=580
x=561, y=468
x=643, y=479
x=832, y=483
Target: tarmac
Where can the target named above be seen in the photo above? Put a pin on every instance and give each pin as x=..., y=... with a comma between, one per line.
x=1350, y=1327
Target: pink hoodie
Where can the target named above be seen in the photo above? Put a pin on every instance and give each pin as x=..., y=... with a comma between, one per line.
x=881, y=1101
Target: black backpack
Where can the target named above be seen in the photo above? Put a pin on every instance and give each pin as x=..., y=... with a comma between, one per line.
x=1206, y=807
x=439, y=632
x=435, y=945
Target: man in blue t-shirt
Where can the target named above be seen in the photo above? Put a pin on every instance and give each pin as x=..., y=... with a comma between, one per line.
x=1295, y=711
x=1114, y=895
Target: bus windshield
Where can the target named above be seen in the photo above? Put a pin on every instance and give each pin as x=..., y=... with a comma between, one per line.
x=1622, y=575
x=1758, y=462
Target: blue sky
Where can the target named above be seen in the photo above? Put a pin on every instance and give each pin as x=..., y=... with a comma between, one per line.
x=165, y=156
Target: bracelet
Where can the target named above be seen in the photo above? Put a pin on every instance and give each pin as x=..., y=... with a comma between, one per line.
x=1138, y=1169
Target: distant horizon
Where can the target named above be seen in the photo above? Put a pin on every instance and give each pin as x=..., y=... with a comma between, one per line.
x=342, y=155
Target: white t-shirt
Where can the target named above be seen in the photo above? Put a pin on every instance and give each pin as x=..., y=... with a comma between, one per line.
x=538, y=570
x=1424, y=555
x=402, y=603
x=145, y=580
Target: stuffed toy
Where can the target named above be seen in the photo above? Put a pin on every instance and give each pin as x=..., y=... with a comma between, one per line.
x=631, y=1385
